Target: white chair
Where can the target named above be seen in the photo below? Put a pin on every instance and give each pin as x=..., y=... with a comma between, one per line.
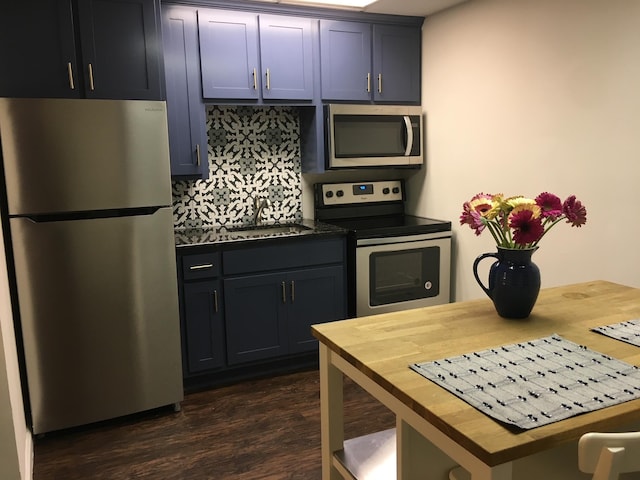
x=604, y=455
x=607, y=455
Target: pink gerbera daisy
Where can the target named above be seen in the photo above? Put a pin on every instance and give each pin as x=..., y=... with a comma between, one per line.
x=526, y=227
x=575, y=212
x=550, y=205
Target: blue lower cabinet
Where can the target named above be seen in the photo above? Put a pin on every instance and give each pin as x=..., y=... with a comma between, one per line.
x=204, y=326
x=255, y=318
x=249, y=309
x=316, y=295
x=270, y=315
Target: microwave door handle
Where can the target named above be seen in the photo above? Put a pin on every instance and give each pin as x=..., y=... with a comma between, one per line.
x=407, y=124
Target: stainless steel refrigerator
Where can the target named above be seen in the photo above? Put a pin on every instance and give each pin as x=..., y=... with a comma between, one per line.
x=88, y=205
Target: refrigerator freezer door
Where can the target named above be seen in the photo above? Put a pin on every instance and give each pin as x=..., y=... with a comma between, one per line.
x=70, y=155
x=100, y=324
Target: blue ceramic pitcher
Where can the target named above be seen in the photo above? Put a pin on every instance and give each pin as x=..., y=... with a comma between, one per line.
x=514, y=281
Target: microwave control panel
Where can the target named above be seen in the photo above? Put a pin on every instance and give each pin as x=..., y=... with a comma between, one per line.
x=362, y=192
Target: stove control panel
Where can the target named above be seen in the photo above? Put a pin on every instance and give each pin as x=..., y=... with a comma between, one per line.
x=361, y=193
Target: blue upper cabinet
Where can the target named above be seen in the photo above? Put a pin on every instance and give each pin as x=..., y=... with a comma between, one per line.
x=37, y=49
x=345, y=54
x=286, y=58
x=396, y=64
x=185, y=108
x=229, y=54
x=118, y=54
x=365, y=62
x=253, y=57
x=121, y=48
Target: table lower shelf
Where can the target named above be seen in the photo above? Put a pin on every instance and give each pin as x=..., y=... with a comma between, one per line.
x=370, y=457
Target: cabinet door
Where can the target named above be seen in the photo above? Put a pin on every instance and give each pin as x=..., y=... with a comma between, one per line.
x=345, y=60
x=120, y=49
x=255, y=323
x=185, y=109
x=396, y=64
x=316, y=296
x=286, y=58
x=204, y=327
x=37, y=53
x=229, y=54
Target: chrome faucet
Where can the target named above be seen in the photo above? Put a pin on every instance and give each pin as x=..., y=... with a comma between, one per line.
x=259, y=204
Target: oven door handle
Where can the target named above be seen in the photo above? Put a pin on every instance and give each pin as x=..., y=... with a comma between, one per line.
x=366, y=242
x=409, y=136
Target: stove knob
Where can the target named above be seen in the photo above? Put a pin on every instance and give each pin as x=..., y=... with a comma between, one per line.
x=340, y=193
x=329, y=194
x=396, y=189
x=385, y=190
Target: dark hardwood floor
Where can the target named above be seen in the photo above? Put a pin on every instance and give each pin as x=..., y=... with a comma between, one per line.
x=260, y=429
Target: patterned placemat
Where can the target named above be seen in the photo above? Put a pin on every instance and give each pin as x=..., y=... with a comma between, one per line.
x=626, y=331
x=537, y=382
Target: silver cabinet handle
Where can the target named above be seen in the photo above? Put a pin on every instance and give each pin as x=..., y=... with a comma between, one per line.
x=268, y=79
x=284, y=292
x=72, y=85
x=198, y=154
x=293, y=291
x=255, y=79
x=379, y=83
x=369, y=82
x=201, y=267
x=215, y=301
x=91, y=84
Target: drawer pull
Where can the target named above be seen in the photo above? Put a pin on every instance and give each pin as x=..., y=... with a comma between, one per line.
x=72, y=84
x=201, y=267
x=91, y=84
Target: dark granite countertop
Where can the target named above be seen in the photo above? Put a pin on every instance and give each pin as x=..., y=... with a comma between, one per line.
x=229, y=234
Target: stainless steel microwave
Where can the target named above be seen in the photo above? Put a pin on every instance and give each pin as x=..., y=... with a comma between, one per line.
x=373, y=136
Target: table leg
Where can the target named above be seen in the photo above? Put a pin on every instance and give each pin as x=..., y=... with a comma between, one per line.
x=331, y=413
x=418, y=458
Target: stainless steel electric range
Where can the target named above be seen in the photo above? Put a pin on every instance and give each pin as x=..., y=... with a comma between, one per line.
x=395, y=261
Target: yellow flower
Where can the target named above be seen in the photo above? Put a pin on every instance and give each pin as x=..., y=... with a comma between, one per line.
x=496, y=207
x=531, y=207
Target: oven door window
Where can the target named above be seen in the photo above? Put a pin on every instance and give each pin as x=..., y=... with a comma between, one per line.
x=403, y=275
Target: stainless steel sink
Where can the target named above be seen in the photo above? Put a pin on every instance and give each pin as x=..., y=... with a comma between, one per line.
x=273, y=229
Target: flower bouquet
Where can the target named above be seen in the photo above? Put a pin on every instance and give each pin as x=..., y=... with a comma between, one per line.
x=519, y=222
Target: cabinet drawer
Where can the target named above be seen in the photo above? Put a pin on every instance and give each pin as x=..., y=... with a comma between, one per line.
x=204, y=265
x=290, y=255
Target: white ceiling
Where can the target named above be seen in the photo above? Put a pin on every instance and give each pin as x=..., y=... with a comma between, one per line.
x=419, y=8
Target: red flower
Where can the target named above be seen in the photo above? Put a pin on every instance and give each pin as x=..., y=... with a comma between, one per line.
x=526, y=228
x=575, y=212
x=550, y=205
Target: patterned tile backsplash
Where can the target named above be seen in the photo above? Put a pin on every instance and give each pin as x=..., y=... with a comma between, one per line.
x=252, y=151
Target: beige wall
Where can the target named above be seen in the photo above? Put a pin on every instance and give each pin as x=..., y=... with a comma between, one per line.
x=523, y=96
x=16, y=444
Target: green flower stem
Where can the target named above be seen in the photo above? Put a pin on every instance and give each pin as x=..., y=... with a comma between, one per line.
x=547, y=228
